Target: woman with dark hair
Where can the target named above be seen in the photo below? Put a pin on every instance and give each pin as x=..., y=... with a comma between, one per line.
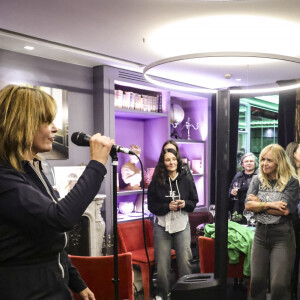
x=33, y=223
x=273, y=197
x=172, y=195
x=171, y=144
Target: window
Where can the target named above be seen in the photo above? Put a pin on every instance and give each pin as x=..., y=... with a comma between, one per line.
x=258, y=124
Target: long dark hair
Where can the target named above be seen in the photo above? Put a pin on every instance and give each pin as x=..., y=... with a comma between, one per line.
x=172, y=142
x=160, y=172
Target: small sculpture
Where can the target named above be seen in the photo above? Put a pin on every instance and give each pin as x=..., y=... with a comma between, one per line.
x=188, y=125
x=131, y=175
x=176, y=117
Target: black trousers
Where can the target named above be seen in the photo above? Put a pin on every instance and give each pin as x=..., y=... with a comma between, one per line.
x=38, y=282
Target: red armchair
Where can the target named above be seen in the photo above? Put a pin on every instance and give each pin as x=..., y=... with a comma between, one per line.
x=207, y=260
x=196, y=218
x=97, y=272
x=130, y=239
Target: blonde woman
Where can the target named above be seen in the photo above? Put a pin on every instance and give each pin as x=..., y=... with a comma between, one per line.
x=33, y=223
x=273, y=197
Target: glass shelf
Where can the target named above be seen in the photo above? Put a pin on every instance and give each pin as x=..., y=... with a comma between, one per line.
x=188, y=141
x=130, y=192
x=197, y=175
x=126, y=218
x=138, y=114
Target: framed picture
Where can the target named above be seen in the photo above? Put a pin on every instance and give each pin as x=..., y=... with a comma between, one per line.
x=60, y=148
x=66, y=177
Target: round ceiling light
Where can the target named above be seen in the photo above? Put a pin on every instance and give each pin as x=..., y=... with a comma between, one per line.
x=200, y=89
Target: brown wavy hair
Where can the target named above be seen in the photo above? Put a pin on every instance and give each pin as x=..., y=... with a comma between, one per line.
x=291, y=148
x=160, y=172
x=22, y=112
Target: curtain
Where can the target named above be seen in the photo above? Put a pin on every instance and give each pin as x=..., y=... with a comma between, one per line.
x=286, y=114
x=234, y=120
x=234, y=134
x=297, y=115
x=213, y=151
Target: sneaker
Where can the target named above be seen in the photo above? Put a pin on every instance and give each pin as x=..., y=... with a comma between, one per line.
x=158, y=298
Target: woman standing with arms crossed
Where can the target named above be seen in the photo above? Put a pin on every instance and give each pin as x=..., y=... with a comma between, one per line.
x=273, y=196
x=171, y=195
x=33, y=223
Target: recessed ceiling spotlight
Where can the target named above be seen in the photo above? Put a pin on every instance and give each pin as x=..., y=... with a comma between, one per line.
x=221, y=0
x=29, y=48
x=228, y=76
x=238, y=79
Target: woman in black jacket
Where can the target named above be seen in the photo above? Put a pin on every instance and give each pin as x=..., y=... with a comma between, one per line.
x=33, y=223
x=172, y=195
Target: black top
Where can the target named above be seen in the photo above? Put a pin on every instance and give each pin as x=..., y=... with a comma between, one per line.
x=243, y=181
x=159, y=195
x=32, y=220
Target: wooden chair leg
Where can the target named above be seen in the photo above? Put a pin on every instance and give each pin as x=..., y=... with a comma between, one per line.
x=146, y=280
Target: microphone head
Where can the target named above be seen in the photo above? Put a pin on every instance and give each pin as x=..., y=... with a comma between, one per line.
x=80, y=139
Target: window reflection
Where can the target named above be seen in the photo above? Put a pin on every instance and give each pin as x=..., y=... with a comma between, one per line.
x=258, y=124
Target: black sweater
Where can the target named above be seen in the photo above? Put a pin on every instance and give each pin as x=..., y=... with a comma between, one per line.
x=158, y=200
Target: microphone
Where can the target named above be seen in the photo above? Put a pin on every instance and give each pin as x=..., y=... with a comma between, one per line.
x=83, y=139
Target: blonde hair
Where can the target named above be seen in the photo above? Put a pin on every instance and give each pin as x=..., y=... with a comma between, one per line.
x=22, y=112
x=284, y=170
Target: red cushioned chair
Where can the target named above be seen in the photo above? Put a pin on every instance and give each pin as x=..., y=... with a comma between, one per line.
x=207, y=260
x=130, y=239
x=195, y=219
x=98, y=272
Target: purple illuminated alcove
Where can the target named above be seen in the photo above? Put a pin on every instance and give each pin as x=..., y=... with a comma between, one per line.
x=151, y=130
x=149, y=134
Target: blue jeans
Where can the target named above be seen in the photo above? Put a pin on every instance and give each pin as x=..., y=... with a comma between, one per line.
x=273, y=255
x=163, y=243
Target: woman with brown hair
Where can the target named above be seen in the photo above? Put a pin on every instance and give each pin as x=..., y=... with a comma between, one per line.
x=172, y=195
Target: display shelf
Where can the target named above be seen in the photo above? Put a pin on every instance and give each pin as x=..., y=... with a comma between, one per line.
x=197, y=175
x=191, y=113
x=135, y=112
x=181, y=141
x=126, y=218
x=131, y=192
x=138, y=114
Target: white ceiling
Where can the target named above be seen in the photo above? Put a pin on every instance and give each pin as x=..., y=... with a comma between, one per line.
x=127, y=30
